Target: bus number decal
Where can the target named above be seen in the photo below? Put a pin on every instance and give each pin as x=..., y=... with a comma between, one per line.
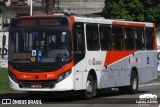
x=147, y=60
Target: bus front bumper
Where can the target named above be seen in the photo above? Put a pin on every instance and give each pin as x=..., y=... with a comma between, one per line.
x=64, y=85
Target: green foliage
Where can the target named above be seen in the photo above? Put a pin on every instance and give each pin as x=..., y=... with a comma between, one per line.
x=4, y=87
x=133, y=10
x=158, y=78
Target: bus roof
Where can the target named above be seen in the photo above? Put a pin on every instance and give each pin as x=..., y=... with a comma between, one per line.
x=112, y=21
x=100, y=20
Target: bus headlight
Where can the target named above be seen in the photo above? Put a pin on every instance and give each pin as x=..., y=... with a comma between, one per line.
x=63, y=76
x=12, y=76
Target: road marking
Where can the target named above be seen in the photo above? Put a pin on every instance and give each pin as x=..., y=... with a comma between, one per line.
x=144, y=85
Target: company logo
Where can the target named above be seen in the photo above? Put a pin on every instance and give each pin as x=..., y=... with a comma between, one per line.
x=147, y=99
x=36, y=76
x=6, y=101
x=94, y=62
x=13, y=101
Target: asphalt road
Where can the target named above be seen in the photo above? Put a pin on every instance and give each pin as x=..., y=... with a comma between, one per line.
x=105, y=98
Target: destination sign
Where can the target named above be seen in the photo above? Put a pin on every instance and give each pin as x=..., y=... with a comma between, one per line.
x=43, y=22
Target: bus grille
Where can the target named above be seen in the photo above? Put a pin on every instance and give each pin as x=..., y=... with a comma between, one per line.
x=42, y=84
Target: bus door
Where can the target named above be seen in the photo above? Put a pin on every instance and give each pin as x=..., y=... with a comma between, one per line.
x=79, y=54
x=106, y=43
x=95, y=58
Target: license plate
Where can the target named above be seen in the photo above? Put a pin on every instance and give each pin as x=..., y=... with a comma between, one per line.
x=36, y=86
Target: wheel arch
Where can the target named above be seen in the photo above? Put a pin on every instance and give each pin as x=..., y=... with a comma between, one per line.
x=93, y=74
x=134, y=69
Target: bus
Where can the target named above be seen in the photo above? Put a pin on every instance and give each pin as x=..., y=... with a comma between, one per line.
x=49, y=53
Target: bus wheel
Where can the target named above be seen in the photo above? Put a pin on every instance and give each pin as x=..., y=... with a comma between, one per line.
x=133, y=83
x=90, y=88
x=133, y=87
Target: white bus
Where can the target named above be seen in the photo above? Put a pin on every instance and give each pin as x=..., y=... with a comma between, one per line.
x=61, y=53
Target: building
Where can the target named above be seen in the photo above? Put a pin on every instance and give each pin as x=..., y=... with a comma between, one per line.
x=14, y=7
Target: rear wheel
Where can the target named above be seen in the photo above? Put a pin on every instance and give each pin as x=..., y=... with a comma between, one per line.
x=133, y=87
x=133, y=83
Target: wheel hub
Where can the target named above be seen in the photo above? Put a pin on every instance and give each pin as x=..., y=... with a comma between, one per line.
x=89, y=86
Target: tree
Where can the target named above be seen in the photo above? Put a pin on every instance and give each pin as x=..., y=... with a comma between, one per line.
x=133, y=10
x=49, y=4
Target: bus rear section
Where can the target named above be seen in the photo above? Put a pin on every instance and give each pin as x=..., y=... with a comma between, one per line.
x=61, y=53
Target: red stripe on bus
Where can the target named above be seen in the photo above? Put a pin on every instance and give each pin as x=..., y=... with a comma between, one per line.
x=42, y=76
x=113, y=56
x=128, y=24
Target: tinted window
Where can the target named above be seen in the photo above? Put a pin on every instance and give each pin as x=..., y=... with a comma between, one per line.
x=129, y=38
x=105, y=37
x=92, y=37
x=149, y=38
x=139, y=36
x=117, y=37
x=79, y=42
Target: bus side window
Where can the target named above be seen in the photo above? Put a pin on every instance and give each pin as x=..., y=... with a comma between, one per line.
x=79, y=42
x=140, y=40
x=92, y=37
x=105, y=37
x=149, y=38
x=129, y=36
x=117, y=36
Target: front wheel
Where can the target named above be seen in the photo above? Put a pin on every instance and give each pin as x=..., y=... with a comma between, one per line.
x=90, y=88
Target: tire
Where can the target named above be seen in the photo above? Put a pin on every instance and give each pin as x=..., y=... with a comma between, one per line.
x=134, y=81
x=90, y=88
x=133, y=87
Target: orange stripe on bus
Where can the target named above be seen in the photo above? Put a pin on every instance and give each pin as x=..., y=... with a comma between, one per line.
x=72, y=21
x=113, y=56
x=42, y=76
x=155, y=39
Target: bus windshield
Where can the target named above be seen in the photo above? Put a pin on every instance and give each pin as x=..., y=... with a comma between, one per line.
x=44, y=46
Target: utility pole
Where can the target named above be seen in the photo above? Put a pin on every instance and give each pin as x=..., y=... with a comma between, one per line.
x=31, y=8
